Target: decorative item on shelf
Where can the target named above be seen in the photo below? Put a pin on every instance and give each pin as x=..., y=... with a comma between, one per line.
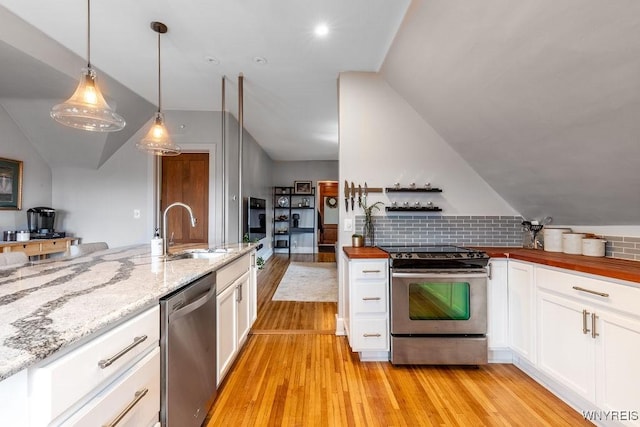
x=283, y=217
x=87, y=109
x=357, y=240
x=296, y=220
x=305, y=202
x=283, y=202
x=302, y=187
x=157, y=140
x=368, y=228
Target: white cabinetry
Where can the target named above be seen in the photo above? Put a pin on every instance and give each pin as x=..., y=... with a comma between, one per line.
x=498, y=311
x=367, y=322
x=91, y=378
x=235, y=296
x=521, y=309
x=589, y=338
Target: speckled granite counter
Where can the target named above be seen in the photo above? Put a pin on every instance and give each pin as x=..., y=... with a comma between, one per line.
x=49, y=306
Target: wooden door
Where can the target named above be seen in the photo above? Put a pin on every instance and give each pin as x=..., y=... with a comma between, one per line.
x=185, y=178
x=329, y=205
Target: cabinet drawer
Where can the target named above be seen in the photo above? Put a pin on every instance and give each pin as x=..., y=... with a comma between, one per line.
x=230, y=273
x=370, y=334
x=370, y=297
x=52, y=247
x=135, y=396
x=61, y=383
x=30, y=249
x=370, y=270
x=617, y=296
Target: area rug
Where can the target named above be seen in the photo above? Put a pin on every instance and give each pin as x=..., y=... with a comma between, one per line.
x=309, y=281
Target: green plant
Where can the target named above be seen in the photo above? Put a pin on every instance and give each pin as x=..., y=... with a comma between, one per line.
x=367, y=229
x=357, y=235
x=260, y=262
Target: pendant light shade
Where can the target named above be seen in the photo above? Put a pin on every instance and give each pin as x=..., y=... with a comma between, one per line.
x=157, y=141
x=87, y=108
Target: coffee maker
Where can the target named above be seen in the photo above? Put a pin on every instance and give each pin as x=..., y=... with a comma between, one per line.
x=41, y=222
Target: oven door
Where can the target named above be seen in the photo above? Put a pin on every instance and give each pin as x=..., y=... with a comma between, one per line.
x=438, y=303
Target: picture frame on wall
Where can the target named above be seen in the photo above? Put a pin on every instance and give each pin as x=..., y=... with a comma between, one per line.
x=10, y=184
x=302, y=187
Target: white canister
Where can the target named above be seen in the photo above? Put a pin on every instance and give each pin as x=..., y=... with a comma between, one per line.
x=553, y=238
x=593, y=247
x=572, y=243
x=22, y=236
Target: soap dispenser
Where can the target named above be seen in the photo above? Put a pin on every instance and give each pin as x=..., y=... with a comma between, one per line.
x=156, y=244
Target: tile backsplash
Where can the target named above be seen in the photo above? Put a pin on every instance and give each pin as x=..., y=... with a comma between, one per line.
x=622, y=247
x=472, y=231
x=439, y=229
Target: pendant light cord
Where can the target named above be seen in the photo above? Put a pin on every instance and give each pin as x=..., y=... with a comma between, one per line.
x=159, y=86
x=89, y=34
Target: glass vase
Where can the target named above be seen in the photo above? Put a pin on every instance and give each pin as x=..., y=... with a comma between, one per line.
x=368, y=231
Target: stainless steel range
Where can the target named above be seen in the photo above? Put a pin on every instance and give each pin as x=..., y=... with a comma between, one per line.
x=438, y=305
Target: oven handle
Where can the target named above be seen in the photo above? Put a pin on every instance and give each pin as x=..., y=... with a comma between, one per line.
x=428, y=274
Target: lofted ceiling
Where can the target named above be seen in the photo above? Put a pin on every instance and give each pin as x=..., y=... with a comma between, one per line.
x=290, y=95
x=541, y=97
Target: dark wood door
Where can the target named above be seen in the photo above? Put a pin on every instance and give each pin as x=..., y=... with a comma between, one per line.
x=328, y=201
x=185, y=178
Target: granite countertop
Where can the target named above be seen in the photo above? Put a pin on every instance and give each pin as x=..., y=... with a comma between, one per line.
x=51, y=305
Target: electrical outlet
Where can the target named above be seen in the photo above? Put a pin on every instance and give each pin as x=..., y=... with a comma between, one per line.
x=136, y=214
x=348, y=224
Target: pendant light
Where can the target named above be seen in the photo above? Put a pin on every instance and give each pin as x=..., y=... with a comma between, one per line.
x=157, y=141
x=87, y=108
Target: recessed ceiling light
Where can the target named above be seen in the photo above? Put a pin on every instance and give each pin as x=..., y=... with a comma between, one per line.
x=260, y=60
x=212, y=60
x=321, y=30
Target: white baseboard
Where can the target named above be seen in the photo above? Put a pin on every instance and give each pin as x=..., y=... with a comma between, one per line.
x=500, y=355
x=374, y=356
x=340, y=330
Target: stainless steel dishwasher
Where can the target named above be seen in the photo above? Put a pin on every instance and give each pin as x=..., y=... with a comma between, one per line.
x=188, y=353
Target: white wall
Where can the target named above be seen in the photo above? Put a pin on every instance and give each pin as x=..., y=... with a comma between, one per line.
x=36, y=189
x=384, y=141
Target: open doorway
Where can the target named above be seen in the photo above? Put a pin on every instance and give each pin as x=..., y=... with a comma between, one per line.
x=185, y=178
x=328, y=213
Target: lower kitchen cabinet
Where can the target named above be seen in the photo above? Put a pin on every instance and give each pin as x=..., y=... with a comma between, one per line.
x=498, y=311
x=521, y=300
x=588, y=339
x=367, y=319
x=94, y=383
x=235, y=294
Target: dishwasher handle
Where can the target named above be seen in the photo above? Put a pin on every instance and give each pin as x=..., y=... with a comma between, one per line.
x=194, y=305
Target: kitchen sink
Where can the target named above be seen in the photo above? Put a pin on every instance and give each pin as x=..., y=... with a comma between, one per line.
x=200, y=254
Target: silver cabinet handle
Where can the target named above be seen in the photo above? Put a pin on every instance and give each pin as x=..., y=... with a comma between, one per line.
x=239, y=297
x=106, y=362
x=136, y=398
x=489, y=271
x=371, y=335
x=585, y=313
x=594, y=334
x=371, y=271
x=600, y=294
x=371, y=298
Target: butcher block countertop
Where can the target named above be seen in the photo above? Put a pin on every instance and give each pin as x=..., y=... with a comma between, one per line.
x=613, y=268
x=364, y=252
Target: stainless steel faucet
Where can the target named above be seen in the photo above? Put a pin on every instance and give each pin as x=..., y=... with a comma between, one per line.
x=165, y=243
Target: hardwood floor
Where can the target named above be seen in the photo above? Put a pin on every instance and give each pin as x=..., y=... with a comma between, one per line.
x=293, y=372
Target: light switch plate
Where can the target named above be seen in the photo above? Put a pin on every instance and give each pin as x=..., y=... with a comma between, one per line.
x=348, y=224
